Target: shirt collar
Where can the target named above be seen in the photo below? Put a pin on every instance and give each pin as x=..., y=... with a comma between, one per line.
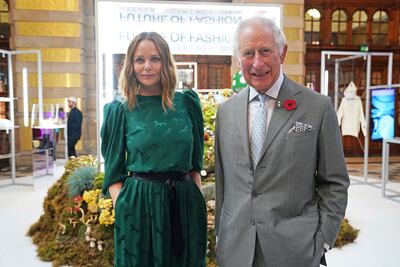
x=272, y=92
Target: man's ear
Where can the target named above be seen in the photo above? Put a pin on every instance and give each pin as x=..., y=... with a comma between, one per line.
x=283, y=55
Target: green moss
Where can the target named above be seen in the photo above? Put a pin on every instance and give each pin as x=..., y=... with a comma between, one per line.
x=347, y=234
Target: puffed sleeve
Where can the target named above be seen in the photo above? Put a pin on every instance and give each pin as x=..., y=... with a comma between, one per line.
x=113, y=144
x=196, y=115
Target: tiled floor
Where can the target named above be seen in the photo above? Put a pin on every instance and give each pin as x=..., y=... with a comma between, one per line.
x=355, y=166
x=377, y=218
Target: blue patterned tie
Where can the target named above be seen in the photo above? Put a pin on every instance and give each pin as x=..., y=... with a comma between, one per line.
x=258, y=131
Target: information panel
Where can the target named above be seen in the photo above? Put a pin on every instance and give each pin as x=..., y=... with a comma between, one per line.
x=382, y=113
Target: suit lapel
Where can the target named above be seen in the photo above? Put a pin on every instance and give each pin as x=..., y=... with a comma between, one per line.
x=240, y=110
x=280, y=116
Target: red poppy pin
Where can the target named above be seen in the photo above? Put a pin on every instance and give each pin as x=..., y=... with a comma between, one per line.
x=290, y=104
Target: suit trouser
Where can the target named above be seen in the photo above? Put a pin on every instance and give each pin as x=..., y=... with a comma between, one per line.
x=259, y=260
x=71, y=147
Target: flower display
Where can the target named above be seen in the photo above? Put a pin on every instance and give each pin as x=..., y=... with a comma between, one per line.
x=76, y=229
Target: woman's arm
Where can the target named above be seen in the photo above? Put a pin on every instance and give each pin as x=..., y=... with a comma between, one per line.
x=114, y=190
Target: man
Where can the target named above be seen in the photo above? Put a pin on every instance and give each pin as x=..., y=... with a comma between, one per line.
x=74, y=126
x=281, y=178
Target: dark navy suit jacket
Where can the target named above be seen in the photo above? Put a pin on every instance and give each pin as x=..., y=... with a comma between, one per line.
x=74, y=124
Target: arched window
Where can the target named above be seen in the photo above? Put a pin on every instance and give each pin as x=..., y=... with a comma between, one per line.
x=359, y=27
x=338, y=26
x=312, y=27
x=380, y=21
x=4, y=23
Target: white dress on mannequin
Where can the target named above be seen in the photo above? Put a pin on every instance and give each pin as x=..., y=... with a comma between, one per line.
x=350, y=113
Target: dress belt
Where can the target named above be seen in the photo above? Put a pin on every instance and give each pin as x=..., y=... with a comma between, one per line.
x=169, y=178
x=159, y=176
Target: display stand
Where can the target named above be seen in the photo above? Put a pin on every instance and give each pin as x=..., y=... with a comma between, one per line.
x=50, y=129
x=10, y=99
x=49, y=163
x=352, y=55
x=385, y=161
x=11, y=131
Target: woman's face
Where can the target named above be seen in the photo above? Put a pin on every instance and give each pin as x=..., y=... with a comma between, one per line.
x=147, y=65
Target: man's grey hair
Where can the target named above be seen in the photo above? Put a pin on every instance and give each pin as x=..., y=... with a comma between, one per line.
x=277, y=33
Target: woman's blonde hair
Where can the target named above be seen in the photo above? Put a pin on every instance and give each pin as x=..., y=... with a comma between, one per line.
x=128, y=83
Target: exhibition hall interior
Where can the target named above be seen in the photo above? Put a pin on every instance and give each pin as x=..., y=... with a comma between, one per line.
x=64, y=55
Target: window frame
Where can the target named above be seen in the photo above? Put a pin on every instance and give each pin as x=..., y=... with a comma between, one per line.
x=335, y=35
x=312, y=37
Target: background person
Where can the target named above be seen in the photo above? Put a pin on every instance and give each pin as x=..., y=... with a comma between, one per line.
x=152, y=144
x=281, y=178
x=74, y=126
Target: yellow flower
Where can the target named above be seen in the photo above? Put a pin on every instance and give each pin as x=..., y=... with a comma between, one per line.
x=90, y=196
x=93, y=207
x=105, y=203
x=226, y=92
x=106, y=218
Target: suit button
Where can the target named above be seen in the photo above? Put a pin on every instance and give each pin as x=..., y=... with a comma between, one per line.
x=251, y=172
x=254, y=195
x=253, y=222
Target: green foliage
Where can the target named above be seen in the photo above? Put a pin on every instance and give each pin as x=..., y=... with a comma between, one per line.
x=98, y=180
x=80, y=180
x=209, y=116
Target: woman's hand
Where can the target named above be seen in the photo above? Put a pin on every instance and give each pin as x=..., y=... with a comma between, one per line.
x=114, y=190
x=196, y=178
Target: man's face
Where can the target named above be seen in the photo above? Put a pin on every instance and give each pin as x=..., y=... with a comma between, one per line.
x=71, y=104
x=259, y=58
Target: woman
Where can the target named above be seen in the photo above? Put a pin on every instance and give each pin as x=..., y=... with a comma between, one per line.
x=152, y=144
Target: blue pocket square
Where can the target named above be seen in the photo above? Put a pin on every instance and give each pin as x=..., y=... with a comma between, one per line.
x=300, y=127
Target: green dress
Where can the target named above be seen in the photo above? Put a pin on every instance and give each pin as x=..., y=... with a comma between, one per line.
x=149, y=139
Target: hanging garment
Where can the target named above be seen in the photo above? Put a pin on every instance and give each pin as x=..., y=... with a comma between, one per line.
x=351, y=116
x=6, y=125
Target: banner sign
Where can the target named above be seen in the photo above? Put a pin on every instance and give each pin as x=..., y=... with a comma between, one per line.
x=191, y=29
